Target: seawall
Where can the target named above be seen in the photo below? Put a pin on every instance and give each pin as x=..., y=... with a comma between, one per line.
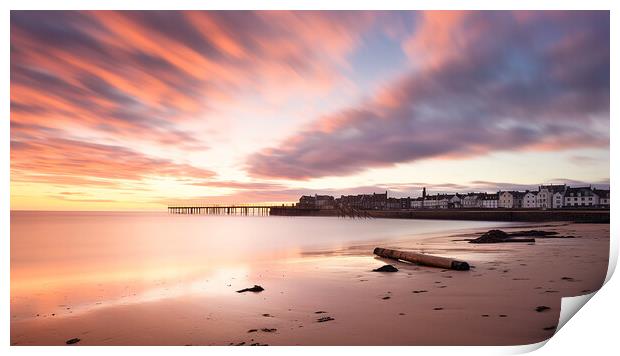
x=590, y=216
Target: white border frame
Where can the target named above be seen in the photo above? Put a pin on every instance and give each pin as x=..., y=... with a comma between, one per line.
x=592, y=329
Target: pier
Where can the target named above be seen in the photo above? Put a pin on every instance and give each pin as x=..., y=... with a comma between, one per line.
x=265, y=210
x=217, y=209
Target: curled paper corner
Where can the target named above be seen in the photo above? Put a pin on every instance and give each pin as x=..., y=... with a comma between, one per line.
x=569, y=307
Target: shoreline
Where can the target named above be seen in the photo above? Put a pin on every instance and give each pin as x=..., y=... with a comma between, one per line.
x=492, y=304
x=521, y=215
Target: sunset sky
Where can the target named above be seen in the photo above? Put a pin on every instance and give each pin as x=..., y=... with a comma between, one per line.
x=132, y=110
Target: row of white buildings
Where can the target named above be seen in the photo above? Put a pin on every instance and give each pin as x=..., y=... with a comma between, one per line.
x=547, y=197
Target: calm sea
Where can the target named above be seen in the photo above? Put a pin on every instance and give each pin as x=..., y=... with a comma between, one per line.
x=82, y=257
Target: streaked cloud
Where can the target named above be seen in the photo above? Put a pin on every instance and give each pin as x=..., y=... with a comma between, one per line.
x=263, y=105
x=494, y=81
x=75, y=162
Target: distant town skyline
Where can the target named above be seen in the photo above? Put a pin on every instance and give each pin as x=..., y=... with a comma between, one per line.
x=131, y=110
x=547, y=196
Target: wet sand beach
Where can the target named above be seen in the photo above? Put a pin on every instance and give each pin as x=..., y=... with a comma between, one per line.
x=330, y=296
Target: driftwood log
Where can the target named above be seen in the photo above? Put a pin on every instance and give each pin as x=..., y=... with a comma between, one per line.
x=423, y=259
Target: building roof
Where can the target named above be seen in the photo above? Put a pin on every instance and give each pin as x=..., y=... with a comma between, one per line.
x=603, y=193
x=553, y=188
x=584, y=191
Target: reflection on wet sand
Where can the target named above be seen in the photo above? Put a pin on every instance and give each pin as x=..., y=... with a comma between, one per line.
x=157, y=286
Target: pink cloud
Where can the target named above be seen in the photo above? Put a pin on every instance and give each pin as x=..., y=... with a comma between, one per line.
x=145, y=77
x=72, y=162
x=490, y=85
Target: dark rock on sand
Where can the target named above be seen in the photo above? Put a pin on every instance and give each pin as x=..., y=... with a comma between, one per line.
x=75, y=340
x=268, y=330
x=542, y=308
x=420, y=291
x=252, y=330
x=254, y=289
x=491, y=236
x=438, y=308
x=320, y=312
x=324, y=319
x=497, y=236
x=386, y=297
x=386, y=268
x=550, y=328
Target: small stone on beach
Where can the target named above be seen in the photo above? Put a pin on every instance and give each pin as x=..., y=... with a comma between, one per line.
x=542, y=308
x=254, y=289
x=75, y=340
x=324, y=319
x=252, y=330
x=268, y=330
